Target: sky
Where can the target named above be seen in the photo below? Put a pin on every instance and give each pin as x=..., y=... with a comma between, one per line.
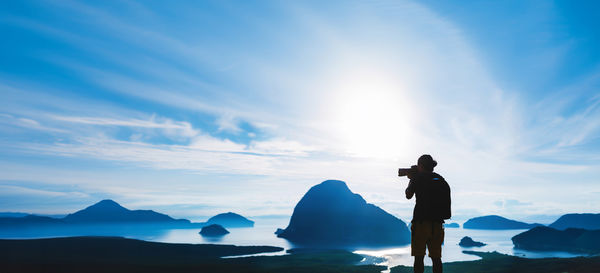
x=193, y=108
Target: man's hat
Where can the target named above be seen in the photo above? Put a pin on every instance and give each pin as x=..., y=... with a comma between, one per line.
x=427, y=162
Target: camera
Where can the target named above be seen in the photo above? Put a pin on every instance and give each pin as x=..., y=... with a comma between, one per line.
x=410, y=172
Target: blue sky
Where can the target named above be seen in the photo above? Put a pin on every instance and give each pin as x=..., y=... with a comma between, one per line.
x=195, y=108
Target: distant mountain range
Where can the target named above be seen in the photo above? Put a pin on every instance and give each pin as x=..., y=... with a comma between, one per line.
x=13, y=214
x=29, y=220
x=589, y=221
x=496, y=222
x=110, y=212
x=329, y=214
x=22, y=214
x=548, y=239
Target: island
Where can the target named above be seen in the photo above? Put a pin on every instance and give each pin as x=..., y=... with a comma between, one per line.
x=329, y=215
x=589, y=221
x=213, y=231
x=468, y=242
x=550, y=239
x=496, y=222
x=230, y=220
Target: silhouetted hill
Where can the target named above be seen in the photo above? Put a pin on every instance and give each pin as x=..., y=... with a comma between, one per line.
x=496, y=222
x=119, y=255
x=213, y=230
x=29, y=220
x=468, y=242
x=13, y=214
x=118, y=248
x=329, y=214
x=109, y=211
x=230, y=220
x=571, y=239
x=584, y=220
x=23, y=214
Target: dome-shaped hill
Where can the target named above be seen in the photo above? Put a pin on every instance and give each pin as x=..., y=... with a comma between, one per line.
x=330, y=214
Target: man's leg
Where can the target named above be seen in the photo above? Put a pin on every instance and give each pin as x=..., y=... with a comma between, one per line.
x=435, y=246
x=418, y=238
x=419, y=265
x=437, y=265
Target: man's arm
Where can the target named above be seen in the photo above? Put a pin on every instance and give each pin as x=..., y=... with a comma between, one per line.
x=410, y=190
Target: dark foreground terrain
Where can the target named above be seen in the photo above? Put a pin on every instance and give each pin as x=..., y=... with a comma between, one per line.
x=500, y=263
x=115, y=254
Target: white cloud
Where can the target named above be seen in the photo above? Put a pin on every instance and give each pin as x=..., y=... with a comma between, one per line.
x=175, y=128
x=7, y=119
x=281, y=147
x=228, y=123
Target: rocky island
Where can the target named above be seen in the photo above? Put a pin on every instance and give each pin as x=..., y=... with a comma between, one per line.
x=330, y=214
x=468, y=242
x=451, y=225
x=548, y=239
x=213, y=230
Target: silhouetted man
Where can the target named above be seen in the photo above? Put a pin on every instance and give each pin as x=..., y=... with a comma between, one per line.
x=431, y=209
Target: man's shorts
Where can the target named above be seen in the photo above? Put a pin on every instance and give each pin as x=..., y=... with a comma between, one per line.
x=426, y=233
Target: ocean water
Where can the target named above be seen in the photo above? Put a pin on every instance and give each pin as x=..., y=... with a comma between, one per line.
x=496, y=240
x=263, y=234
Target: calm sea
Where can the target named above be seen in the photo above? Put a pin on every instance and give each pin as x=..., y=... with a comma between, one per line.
x=263, y=234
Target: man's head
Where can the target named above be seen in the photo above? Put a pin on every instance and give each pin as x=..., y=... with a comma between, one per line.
x=426, y=163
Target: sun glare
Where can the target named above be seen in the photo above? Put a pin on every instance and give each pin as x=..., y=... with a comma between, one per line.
x=372, y=115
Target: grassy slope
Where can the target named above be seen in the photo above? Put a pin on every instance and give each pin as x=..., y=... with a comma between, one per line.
x=500, y=263
x=113, y=254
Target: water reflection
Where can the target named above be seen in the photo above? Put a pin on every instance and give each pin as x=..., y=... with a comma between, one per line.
x=496, y=240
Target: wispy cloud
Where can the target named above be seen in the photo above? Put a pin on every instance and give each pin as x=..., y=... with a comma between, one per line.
x=179, y=128
x=26, y=123
x=10, y=190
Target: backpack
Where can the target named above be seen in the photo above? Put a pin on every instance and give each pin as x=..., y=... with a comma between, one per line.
x=442, y=201
x=433, y=197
